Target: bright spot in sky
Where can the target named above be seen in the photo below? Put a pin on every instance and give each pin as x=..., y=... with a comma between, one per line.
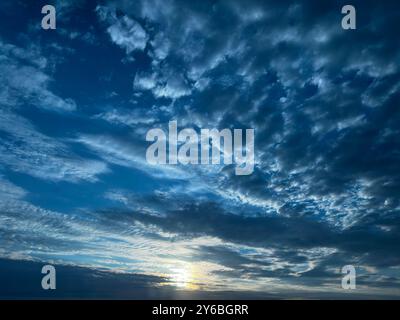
x=182, y=277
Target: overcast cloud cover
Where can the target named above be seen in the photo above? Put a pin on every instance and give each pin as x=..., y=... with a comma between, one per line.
x=76, y=190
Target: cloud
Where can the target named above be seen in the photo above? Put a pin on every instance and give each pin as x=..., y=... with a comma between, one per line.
x=192, y=220
x=9, y=191
x=26, y=150
x=124, y=31
x=164, y=84
x=128, y=154
x=130, y=118
x=25, y=81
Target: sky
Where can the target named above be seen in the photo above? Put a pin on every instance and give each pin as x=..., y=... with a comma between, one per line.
x=77, y=192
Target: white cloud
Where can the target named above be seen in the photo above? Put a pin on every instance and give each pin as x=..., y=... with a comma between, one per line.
x=175, y=87
x=9, y=191
x=124, y=31
x=26, y=150
x=129, y=155
x=128, y=34
x=145, y=81
x=130, y=118
x=163, y=84
x=24, y=80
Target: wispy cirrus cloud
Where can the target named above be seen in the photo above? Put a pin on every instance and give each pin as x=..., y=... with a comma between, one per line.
x=24, y=149
x=128, y=154
x=25, y=81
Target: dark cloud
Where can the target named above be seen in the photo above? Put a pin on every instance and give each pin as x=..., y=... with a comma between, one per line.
x=370, y=244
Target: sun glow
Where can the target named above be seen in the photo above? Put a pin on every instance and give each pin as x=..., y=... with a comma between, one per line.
x=183, y=277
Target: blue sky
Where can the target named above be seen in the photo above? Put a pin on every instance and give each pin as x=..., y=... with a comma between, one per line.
x=76, y=103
